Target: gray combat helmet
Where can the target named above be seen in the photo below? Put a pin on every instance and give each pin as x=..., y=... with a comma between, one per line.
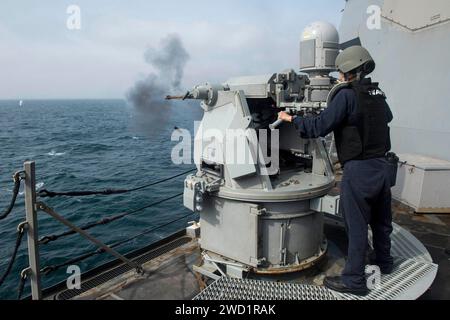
x=354, y=58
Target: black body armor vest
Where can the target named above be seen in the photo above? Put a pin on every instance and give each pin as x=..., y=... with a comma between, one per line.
x=365, y=134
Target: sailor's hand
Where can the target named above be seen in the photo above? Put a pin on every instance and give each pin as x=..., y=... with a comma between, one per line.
x=285, y=117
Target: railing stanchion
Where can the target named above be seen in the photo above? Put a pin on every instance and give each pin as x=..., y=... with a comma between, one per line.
x=32, y=229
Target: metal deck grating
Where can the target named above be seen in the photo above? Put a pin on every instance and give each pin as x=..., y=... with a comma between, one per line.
x=409, y=280
x=414, y=272
x=229, y=289
x=405, y=245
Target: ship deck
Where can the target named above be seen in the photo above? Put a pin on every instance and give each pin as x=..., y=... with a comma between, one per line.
x=170, y=263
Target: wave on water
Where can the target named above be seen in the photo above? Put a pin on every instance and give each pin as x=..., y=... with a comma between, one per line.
x=129, y=138
x=53, y=153
x=87, y=148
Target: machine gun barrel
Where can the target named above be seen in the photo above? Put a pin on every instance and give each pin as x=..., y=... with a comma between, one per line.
x=207, y=92
x=188, y=95
x=174, y=97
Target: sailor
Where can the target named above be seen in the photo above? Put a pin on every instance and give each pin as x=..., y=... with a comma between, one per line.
x=359, y=115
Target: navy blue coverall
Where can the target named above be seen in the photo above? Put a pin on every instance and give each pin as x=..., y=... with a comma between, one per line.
x=365, y=192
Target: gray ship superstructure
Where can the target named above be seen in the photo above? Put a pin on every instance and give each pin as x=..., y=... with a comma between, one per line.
x=411, y=46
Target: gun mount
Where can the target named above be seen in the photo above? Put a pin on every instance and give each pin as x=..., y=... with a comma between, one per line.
x=254, y=198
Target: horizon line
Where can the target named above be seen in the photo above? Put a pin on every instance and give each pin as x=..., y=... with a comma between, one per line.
x=56, y=99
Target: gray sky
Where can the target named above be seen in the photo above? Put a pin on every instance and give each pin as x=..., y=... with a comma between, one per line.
x=41, y=58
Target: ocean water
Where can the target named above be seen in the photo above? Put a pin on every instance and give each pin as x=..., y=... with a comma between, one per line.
x=94, y=145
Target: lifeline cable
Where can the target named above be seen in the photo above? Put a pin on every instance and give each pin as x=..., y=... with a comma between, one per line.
x=17, y=179
x=49, y=194
x=20, y=233
x=22, y=282
x=105, y=221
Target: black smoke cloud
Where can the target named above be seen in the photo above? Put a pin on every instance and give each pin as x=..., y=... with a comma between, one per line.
x=169, y=60
x=147, y=96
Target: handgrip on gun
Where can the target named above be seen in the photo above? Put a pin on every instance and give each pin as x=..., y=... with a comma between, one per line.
x=276, y=124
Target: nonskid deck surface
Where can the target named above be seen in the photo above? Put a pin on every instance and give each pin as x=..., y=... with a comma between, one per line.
x=170, y=269
x=168, y=275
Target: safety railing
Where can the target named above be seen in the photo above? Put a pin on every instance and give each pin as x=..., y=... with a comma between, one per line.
x=30, y=228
